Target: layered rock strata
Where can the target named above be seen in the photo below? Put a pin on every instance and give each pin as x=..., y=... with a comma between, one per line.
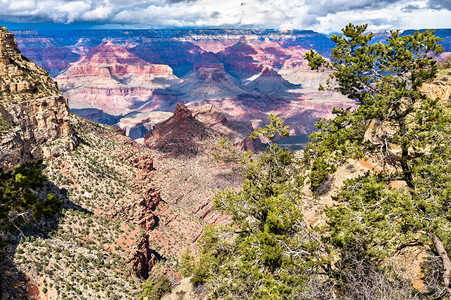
x=45, y=51
x=33, y=113
x=112, y=79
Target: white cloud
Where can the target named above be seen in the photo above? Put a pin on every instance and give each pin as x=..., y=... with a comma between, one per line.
x=320, y=15
x=22, y=5
x=98, y=13
x=391, y=17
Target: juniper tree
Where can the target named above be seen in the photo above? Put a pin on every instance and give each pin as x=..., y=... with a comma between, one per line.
x=407, y=204
x=267, y=252
x=20, y=201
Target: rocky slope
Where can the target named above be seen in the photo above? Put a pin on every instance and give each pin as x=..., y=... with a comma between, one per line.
x=268, y=81
x=34, y=115
x=115, y=227
x=109, y=199
x=129, y=210
x=440, y=87
x=136, y=124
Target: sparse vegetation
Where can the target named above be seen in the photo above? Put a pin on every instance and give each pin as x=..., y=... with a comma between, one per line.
x=445, y=63
x=21, y=203
x=5, y=126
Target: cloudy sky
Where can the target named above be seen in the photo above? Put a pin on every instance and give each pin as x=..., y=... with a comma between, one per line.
x=320, y=15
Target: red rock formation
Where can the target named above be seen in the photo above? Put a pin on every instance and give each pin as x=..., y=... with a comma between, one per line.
x=142, y=259
x=239, y=60
x=238, y=134
x=45, y=51
x=207, y=82
x=142, y=211
x=180, y=55
x=248, y=80
x=245, y=59
x=269, y=81
x=181, y=134
x=190, y=131
x=144, y=163
x=257, y=88
x=112, y=79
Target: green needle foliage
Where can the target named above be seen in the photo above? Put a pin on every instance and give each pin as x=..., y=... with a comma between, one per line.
x=267, y=252
x=405, y=131
x=156, y=287
x=384, y=79
x=5, y=126
x=20, y=201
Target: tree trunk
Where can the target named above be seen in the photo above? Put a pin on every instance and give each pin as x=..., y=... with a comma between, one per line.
x=446, y=263
x=405, y=167
x=405, y=151
x=2, y=270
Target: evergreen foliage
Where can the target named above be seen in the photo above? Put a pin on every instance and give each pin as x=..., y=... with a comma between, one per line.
x=268, y=252
x=156, y=287
x=20, y=202
x=405, y=131
x=5, y=126
x=19, y=198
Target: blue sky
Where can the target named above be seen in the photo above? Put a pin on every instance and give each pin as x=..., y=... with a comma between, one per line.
x=319, y=15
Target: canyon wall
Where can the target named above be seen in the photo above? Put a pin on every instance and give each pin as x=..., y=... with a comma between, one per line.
x=34, y=115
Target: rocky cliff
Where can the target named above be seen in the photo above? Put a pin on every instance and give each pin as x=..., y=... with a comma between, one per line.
x=34, y=115
x=237, y=132
x=180, y=134
x=441, y=87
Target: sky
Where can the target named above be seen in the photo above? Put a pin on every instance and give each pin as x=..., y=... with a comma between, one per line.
x=320, y=15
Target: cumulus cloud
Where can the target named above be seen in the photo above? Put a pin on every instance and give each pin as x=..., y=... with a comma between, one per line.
x=320, y=15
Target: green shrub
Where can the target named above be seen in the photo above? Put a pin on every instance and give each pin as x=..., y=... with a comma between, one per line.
x=5, y=126
x=156, y=287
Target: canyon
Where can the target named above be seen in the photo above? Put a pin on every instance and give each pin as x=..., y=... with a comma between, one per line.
x=127, y=76
x=131, y=208
x=132, y=78
x=112, y=79
x=128, y=210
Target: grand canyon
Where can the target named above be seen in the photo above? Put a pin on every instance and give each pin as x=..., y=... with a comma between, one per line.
x=128, y=123
x=130, y=78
